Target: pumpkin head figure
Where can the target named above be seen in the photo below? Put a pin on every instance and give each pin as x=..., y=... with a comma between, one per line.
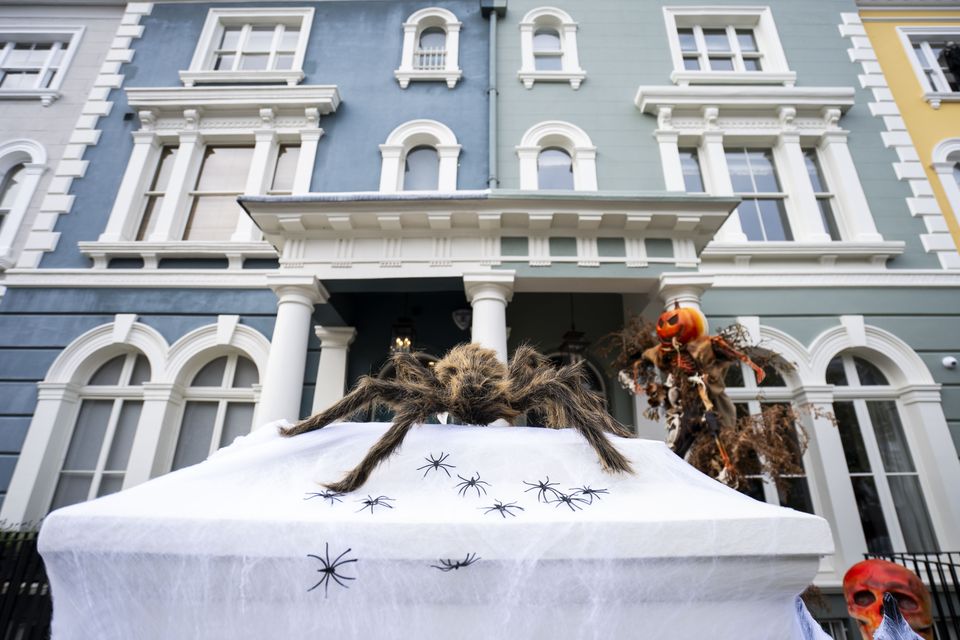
x=683, y=323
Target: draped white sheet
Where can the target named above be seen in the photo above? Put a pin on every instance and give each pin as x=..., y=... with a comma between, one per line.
x=231, y=547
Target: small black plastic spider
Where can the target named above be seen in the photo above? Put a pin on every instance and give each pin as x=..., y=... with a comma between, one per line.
x=570, y=500
x=588, y=492
x=437, y=463
x=450, y=565
x=332, y=496
x=472, y=483
x=371, y=502
x=504, y=509
x=545, y=487
x=329, y=569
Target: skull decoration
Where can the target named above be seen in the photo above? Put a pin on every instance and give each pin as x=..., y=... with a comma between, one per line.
x=864, y=586
x=681, y=323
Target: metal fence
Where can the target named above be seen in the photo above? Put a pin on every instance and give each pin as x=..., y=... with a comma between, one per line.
x=939, y=571
x=25, y=606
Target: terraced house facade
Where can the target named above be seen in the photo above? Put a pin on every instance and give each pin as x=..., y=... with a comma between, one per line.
x=415, y=175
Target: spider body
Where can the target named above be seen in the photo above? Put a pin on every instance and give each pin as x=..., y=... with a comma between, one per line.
x=329, y=568
x=572, y=501
x=451, y=565
x=588, y=492
x=544, y=488
x=371, y=503
x=473, y=482
x=332, y=496
x=470, y=383
x=435, y=464
x=503, y=509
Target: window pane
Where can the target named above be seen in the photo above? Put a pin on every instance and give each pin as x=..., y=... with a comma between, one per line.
x=554, y=169
x=796, y=494
x=149, y=220
x=283, y=62
x=196, y=431
x=259, y=39
x=687, y=40
x=238, y=422
x=716, y=39
x=773, y=378
x=230, y=39
x=546, y=40
x=254, y=61
x=10, y=187
x=548, y=63
x=421, y=170
x=212, y=218
x=246, y=374
x=746, y=40
x=752, y=487
x=289, y=39
x=752, y=64
x=827, y=219
x=109, y=484
x=774, y=218
x=690, y=164
x=433, y=38
x=224, y=62
x=813, y=170
x=739, y=170
x=286, y=168
x=749, y=216
x=868, y=373
x=109, y=373
x=835, y=373
x=141, y=371
x=87, y=438
x=164, y=168
x=912, y=514
x=871, y=515
x=123, y=436
x=894, y=450
x=225, y=169
x=764, y=174
x=734, y=377
x=691, y=64
x=211, y=375
x=70, y=490
x=853, y=448
x=721, y=64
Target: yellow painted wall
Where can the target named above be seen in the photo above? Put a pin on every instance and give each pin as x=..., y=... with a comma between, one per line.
x=927, y=126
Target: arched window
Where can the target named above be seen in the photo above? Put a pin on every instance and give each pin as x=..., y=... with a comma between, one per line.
x=431, y=43
x=946, y=162
x=420, y=155
x=886, y=484
x=548, y=48
x=110, y=404
x=22, y=162
x=9, y=188
x=554, y=169
x=557, y=155
x=421, y=170
x=219, y=407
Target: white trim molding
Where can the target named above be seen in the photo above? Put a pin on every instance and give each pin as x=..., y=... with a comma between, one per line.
x=769, y=53
x=58, y=201
x=408, y=136
x=203, y=65
x=921, y=203
x=32, y=157
x=946, y=164
x=420, y=66
x=935, y=87
x=11, y=34
x=570, y=138
x=560, y=21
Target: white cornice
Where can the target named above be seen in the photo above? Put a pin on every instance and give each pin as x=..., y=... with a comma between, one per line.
x=824, y=253
x=864, y=279
x=137, y=278
x=325, y=98
x=650, y=99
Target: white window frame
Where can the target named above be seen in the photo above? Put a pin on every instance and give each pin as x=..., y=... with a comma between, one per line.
x=200, y=71
x=561, y=21
x=946, y=158
x=408, y=136
x=33, y=157
x=412, y=28
x=14, y=33
x=934, y=95
x=566, y=136
x=759, y=19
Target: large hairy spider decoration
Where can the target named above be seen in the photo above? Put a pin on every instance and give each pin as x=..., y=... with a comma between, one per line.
x=472, y=385
x=329, y=568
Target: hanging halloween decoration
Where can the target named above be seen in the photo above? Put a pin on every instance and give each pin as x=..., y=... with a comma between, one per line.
x=474, y=387
x=868, y=582
x=681, y=369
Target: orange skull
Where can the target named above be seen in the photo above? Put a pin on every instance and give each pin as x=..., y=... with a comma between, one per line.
x=683, y=323
x=864, y=586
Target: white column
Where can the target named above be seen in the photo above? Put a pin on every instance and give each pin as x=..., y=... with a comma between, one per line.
x=448, y=155
x=153, y=444
x=453, y=50
x=406, y=55
x=488, y=293
x=259, y=178
x=571, y=57
x=124, y=217
x=683, y=288
x=585, y=168
x=283, y=381
x=717, y=174
x=173, y=213
x=526, y=50
x=670, y=159
x=529, y=180
x=309, y=141
x=844, y=180
x=802, y=209
x=390, y=168
x=332, y=368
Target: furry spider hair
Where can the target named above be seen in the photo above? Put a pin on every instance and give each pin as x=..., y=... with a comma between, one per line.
x=474, y=386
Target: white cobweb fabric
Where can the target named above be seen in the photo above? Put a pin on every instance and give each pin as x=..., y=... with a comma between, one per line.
x=231, y=547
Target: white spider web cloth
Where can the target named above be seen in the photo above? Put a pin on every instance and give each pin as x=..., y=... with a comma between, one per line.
x=221, y=549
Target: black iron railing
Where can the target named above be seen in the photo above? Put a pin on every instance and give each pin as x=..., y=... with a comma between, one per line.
x=25, y=607
x=939, y=571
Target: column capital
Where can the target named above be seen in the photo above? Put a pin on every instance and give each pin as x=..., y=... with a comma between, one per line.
x=816, y=394
x=683, y=288
x=489, y=284
x=335, y=337
x=310, y=135
x=305, y=289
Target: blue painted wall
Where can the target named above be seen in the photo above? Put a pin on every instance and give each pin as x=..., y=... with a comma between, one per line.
x=354, y=45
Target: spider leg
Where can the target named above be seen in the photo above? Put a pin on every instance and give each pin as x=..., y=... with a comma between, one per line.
x=322, y=580
x=381, y=449
x=367, y=391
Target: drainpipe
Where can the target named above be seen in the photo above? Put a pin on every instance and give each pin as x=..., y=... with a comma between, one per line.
x=493, y=9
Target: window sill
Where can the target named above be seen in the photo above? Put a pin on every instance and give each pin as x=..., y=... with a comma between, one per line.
x=936, y=98
x=785, y=78
x=45, y=96
x=290, y=78
x=152, y=252
x=575, y=78
x=406, y=76
x=827, y=254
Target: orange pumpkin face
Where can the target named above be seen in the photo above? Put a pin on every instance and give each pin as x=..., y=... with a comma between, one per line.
x=683, y=323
